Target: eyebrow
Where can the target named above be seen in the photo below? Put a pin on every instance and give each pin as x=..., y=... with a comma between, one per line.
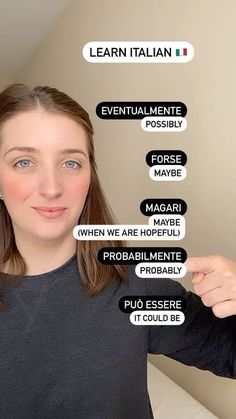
x=35, y=150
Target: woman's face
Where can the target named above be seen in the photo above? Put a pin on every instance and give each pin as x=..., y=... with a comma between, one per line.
x=46, y=176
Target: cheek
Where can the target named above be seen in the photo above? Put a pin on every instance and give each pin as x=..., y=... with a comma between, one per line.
x=78, y=189
x=17, y=191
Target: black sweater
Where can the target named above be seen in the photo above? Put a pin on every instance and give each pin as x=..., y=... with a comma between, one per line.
x=65, y=355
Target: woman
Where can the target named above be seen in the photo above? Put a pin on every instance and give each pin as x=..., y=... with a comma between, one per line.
x=66, y=350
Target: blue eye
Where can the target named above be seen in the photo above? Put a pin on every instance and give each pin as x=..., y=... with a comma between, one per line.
x=20, y=162
x=78, y=165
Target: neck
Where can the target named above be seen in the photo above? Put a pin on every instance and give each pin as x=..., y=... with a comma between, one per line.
x=45, y=256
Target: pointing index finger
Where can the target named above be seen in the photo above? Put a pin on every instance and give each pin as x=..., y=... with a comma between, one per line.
x=200, y=264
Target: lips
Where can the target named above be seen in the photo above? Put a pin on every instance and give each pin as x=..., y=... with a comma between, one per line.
x=51, y=213
x=49, y=208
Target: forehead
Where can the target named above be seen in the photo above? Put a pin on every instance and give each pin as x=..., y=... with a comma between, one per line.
x=42, y=127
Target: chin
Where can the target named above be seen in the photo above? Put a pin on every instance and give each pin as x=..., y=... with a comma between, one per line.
x=50, y=234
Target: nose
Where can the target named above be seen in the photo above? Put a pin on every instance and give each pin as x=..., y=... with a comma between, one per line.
x=50, y=184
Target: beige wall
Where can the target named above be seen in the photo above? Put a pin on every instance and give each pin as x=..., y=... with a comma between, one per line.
x=206, y=85
x=4, y=82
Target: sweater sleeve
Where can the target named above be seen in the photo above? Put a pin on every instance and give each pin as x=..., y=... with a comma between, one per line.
x=203, y=340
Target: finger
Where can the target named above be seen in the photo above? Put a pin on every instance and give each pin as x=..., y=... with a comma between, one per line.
x=218, y=295
x=224, y=309
x=209, y=282
x=200, y=264
x=197, y=277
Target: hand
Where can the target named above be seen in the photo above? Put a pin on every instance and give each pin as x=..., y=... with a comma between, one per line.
x=214, y=280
